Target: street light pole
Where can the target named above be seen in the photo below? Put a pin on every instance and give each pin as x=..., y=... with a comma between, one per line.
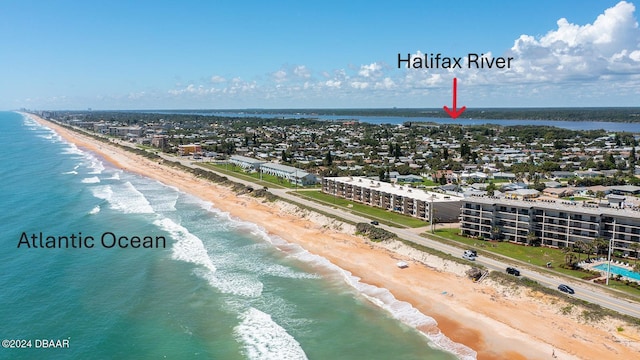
x=431, y=214
x=609, y=261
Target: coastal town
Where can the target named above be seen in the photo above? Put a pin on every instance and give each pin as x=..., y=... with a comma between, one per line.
x=533, y=185
x=484, y=219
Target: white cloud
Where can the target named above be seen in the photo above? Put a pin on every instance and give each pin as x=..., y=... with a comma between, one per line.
x=371, y=70
x=386, y=84
x=217, y=79
x=359, y=85
x=603, y=57
x=581, y=51
x=280, y=76
x=302, y=72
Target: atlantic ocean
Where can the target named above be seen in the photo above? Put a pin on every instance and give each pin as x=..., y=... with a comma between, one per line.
x=219, y=288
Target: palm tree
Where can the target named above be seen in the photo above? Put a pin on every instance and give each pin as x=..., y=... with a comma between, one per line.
x=569, y=257
x=635, y=247
x=532, y=238
x=581, y=246
x=600, y=244
x=496, y=233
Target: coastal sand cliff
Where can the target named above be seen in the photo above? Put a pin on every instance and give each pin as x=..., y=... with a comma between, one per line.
x=498, y=322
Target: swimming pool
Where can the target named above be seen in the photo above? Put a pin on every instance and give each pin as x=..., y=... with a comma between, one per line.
x=618, y=270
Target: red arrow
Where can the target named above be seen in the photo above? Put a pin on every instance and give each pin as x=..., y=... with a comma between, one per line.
x=455, y=113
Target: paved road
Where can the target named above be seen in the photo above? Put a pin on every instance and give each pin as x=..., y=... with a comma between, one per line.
x=584, y=291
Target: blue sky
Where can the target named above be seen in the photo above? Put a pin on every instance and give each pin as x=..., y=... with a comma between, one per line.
x=327, y=54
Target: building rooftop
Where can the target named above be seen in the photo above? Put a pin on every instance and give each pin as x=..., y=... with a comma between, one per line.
x=285, y=168
x=558, y=205
x=400, y=190
x=246, y=159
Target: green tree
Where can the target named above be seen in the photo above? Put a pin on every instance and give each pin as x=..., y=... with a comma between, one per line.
x=491, y=189
x=398, y=151
x=636, y=248
x=569, y=257
x=600, y=245
x=465, y=150
x=496, y=233
x=443, y=180
x=328, y=159
x=581, y=246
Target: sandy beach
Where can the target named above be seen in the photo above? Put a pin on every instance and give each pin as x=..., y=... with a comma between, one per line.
x=499, y=322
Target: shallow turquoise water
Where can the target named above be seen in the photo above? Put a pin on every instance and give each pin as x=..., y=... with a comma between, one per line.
x=220, y=289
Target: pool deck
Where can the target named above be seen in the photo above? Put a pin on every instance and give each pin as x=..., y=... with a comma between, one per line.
x=603, y=261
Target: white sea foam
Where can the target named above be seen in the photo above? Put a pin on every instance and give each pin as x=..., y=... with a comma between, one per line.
x=95, y=210
x=96, y=165
x=381, y=297
x=233, y=282
x=125, y=198
x=91, y=180
x=264, y=339
x=46, y=136
x=161, y=197
x=72, y=149
x=115, y=176
x=187, y=247
x=218, y=268
x=72, y=172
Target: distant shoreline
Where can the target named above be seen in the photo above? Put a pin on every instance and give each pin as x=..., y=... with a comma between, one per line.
x=598, y=114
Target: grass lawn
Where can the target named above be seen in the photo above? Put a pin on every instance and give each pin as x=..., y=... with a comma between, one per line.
x=537, y=256
x=576, y=198
x=242, y=175
x=619, y=285
x=425, y=182
x=267, y=180
x=146, y=147
x=381, y=215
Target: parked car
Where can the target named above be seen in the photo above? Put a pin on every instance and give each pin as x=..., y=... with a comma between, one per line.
x=513, y=271
x=374, y=222
x=566, y=289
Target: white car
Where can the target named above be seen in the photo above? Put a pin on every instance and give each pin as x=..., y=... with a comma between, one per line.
x=469, y=257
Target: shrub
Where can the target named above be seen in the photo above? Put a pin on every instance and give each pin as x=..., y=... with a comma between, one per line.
x=374, y=233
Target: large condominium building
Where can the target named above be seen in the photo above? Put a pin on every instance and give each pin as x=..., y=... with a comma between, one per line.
x=553, y=223
x=398, y=198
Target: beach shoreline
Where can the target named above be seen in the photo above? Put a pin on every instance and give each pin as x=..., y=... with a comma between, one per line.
x=498, y=323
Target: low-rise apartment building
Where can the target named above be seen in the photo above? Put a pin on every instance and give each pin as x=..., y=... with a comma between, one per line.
x=290, y=173
x=398, y=198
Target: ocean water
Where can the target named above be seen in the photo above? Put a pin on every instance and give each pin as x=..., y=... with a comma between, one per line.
x=220, y=289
